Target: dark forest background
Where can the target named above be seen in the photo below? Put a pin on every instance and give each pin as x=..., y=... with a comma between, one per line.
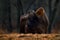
x=11, y=10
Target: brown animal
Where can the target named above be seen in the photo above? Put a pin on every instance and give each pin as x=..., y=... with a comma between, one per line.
x=34, y=22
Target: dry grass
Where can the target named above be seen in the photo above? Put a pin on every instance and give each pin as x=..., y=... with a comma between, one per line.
x=29, y=36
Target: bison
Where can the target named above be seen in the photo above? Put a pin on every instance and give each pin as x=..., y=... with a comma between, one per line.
x=34, y=22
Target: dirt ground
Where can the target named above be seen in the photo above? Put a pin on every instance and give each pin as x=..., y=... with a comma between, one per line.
x=29, y=36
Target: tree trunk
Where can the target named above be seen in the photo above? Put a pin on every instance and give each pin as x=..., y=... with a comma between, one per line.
x=9, y=28
x=20, y=12
x=52, y=13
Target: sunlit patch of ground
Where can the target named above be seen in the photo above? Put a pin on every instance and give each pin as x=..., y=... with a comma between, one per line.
x=29, y=36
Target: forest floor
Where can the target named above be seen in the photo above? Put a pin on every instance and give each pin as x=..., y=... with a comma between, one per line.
x=15, y=36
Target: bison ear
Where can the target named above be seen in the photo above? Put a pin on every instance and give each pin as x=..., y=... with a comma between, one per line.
x=40, y=11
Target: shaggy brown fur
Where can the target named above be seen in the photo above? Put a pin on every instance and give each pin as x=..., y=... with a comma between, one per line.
x=34, y=22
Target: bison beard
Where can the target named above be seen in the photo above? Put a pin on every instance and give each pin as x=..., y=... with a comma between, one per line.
x=34, y=22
